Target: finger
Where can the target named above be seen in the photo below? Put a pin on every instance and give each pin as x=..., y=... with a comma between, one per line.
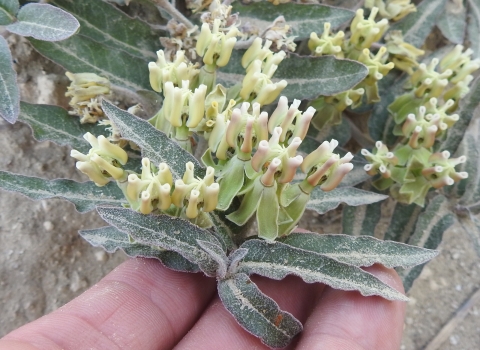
x=217, y=329
x=140, y=305
x=348, y=320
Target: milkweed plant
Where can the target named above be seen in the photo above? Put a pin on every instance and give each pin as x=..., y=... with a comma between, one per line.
x=247, y=115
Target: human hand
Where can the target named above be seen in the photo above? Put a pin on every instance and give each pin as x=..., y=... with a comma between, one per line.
x=142, y=305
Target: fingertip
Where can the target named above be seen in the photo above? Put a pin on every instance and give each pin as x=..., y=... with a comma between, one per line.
x=348, y=320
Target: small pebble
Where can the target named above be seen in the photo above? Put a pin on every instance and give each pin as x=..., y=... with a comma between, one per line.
x=458, y=287
x=453, y=340
x=101, y=256
x=48, y=226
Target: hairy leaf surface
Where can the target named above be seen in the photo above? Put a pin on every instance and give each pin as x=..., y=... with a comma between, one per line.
x=44, y=22
x=360, y=251
x=218, y=254
x=473, y=26
x=84, y=195
x=256, y=312
x=80, y=54
x=277, y=260
x=111, y=27
x=418, y=25
x=432, y=223
x=224, y=228
x=302, y=18
x=361, y=220
x=9, y=92
x=380, y=123
x=468, y=107
x=402, y=222
x=468, y=190
x=155, y=145
x=322, y=201
x=8, y=10
x=164, y=231
x=53, y=123
x=111, y=239
x=452, y=23
x=307, y=77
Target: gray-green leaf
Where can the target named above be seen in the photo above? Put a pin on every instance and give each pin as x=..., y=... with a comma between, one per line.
x=469, y=189
x=418, y=25
x=307, y=77
x=277, y=260
x=111, y=239
x=432, y=223
x=111, y=27
x=53, y=123
x=9, y=92
x=322, y=201
x=452, y=23
x=167, y=232
x=402, y=222
x=302, y=18
x=360, y=251
x=84, y=195
x=80, y=54
x=224, y=228
x=473, y=26
x=468, y=106
x=44, y=22
x=155, y=144
x=8, y=10
x=361, y=220
x=256, y=312
x=218, y=254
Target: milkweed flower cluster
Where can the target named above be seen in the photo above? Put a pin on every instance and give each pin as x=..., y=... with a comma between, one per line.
x=365, y=31
x=423, y=116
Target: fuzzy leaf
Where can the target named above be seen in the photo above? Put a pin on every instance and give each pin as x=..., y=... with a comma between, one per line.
x=164, y=231
x=302, y=18
x=307, y=77
x=80, y=54
x=53, y=123
x=256, y=312
x=471, y=225
x=473, y=26
x=218, y=254
x=469, y=189
x=468, y=106
x=44, y=22
x=360, y=251
x=432, y=223
x=111, y=239
x=9, y=92
x=402, y=222
x=155, y=144
x=224, y=228
x=277, y=260
x=417, y=25
x=8, y=10
x=322, y=201
x=361, y=220
x=452, y=23
x=111, y=27
x=380, y=123
x=84, y=195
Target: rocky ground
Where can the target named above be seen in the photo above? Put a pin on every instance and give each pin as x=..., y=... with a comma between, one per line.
x=44, y=263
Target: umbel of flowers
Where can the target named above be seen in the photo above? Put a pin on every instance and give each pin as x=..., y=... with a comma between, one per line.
x=250, y=155
x=423, y=116
x=365, y=31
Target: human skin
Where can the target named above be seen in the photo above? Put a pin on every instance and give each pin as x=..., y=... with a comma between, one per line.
x=143, y=305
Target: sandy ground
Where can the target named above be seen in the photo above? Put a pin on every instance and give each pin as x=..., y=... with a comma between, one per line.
x=44, y=263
